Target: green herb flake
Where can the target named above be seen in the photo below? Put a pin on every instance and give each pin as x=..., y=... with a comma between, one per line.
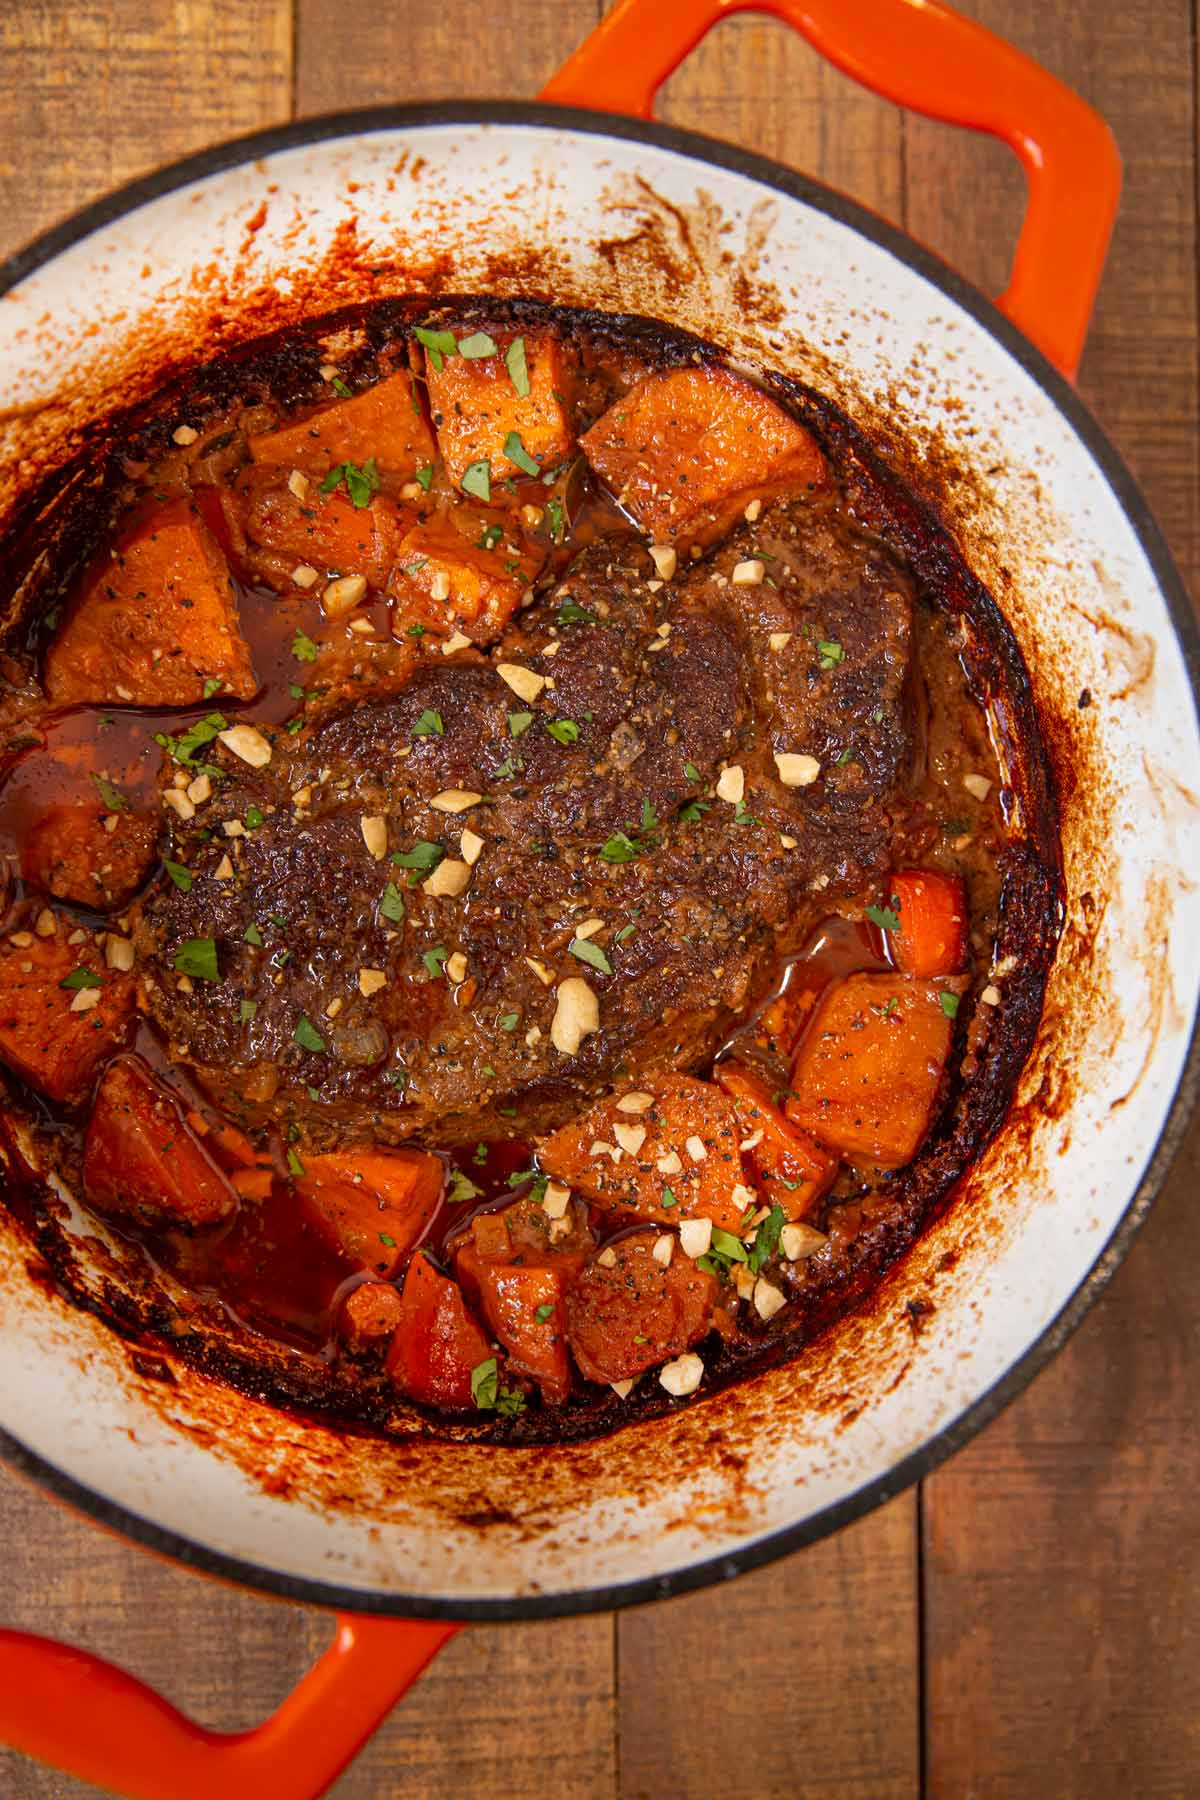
x=504, y=770
x=254, y=817
x=485, y=1384
x=766, y=1238
x=725, y=1244
x=461, y=1188
x=307, y=1035
x=420, y=859
x=847, y=756
x=429, y=724
x=181, y=876
x=830, y=652
x=435, y=959
x=80, y=978
x=303, y=647
x=392, y=905
x=340, y=389
x=198, y=957
x=480, y=1153
x=440, y=344
x=425, y=477
x=111, y=798
x=694, y=810
x=884, y=917
x=295, y=1166
x=508, y=1021
x=571, y=613
x=477, y=480
x=588, y=952
x=295, y=690
x=247, y=1010
x=490, y=537
x=620, y=848
x=510, y=1403
x=516, y=453
x=519, y=722
x=626, y=931
x=544, y=1312
x=415, y=631
x=212, y=685
x=669, y=1197
x=478, y=345
x=252, y=935
x=183, y=748
x=518, y=369
x=691, y=772
x=949, y=1004
x=556, y=520
x=563, y=731
x=387, y=1240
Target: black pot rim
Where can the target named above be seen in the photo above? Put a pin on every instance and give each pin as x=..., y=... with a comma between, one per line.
x=1128, y=496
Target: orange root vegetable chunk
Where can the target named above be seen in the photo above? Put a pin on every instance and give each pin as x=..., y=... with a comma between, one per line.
x=790, y=1169
x=476, y=409
x=155, y=624
x=449, y=583
x=675, y=1158
x=374, y=1203
x=142, y=1162
x=369, y=1316
x=69, y=853
x=684, y=452
x=437, y=1343
x=45, y=1036
x=627, y=1312
x=867, y=1072
x=932, y=910
x=384, y=424
x=325, y=532
x=518, y=1277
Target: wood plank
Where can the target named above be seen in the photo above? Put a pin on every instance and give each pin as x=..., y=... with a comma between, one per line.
x=799, y=1682
x=1062, y=1566
x=117, y=87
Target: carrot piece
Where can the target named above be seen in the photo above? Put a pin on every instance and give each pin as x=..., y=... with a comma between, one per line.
x=868, y=1068
x=448, y=582
x=932, y=910
x=69, y=853
x=141, y=1161
x=686, y=450
x=253, y=1184
x=384, y=424
x=53, y=1047
x=325, y=531
x=370, y=1315
x=791, y=1169
x=476, y=408
x=374, y=1203
x=436, y=1343
x=518, y=1277
x=625, y=1315
x=685, y=1165
x=155, y=624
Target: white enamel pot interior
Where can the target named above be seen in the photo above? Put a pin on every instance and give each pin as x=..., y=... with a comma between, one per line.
x=587, y=210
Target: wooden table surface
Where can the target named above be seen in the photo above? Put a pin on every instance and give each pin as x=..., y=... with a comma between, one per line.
x=1028, y=1623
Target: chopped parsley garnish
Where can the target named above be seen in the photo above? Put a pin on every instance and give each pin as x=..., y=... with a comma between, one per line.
x=477, y=480
x=504, y=770
x=307, y=1035
x=252, y=935
x=198, y=957
x=692, y=810
x=425, y=476
x=254, y=817
x=415, y=631
x=649, y=819
x=181, y=876
x=884, y=917
x=847, y=756
x=429, y=724
x=183, y=748
x=766, y=1238
x=625, y=932
x=691, y=772
x=477, y=345
x=212, y=685
x=830, y=652
x=620, y=848
x=544, y=1312
x=339, y=387
x=516, y=452
x=387, y=1240
x=440, y=344
x=461, y=1188
x=435, y=959
x=489, y=1396
x=295, y=1166
x=518, y=370
x=80, y=978
x=743, y=816
x=519, y=722
x=490, y=537
x=725, y=1244
x=508, y=1021
x=556, y=521
x=571, y=613
x=480, y=1153
x=247, y=1009
x=111, y=798
x=303, y=648
x=949, y=1004
x=295, y=690
x=563, y=731
x=420, y=859
x=361, y=480
x=591, y=953
x=392, y=905
x=669, y=1197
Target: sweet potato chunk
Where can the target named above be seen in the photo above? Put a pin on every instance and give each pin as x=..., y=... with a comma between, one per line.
x=69, y=853
x=326, y=532
x=385, y=424
x=43, y=1037
x=626, y=1314
x=476, y=407
x=518, y=1275
x=868, y=1068
x=932, y=913
x=374, y=1203
x=437, y=1343
x=369, y=1316
x=157, y=622
x=142, y=1162
x=448, y=582
x=679, y=1158
x=790, y=1169
x=685, y=451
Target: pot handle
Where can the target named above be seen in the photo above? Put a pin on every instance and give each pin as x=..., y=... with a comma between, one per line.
x=922, y=55
x=91, y=1719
